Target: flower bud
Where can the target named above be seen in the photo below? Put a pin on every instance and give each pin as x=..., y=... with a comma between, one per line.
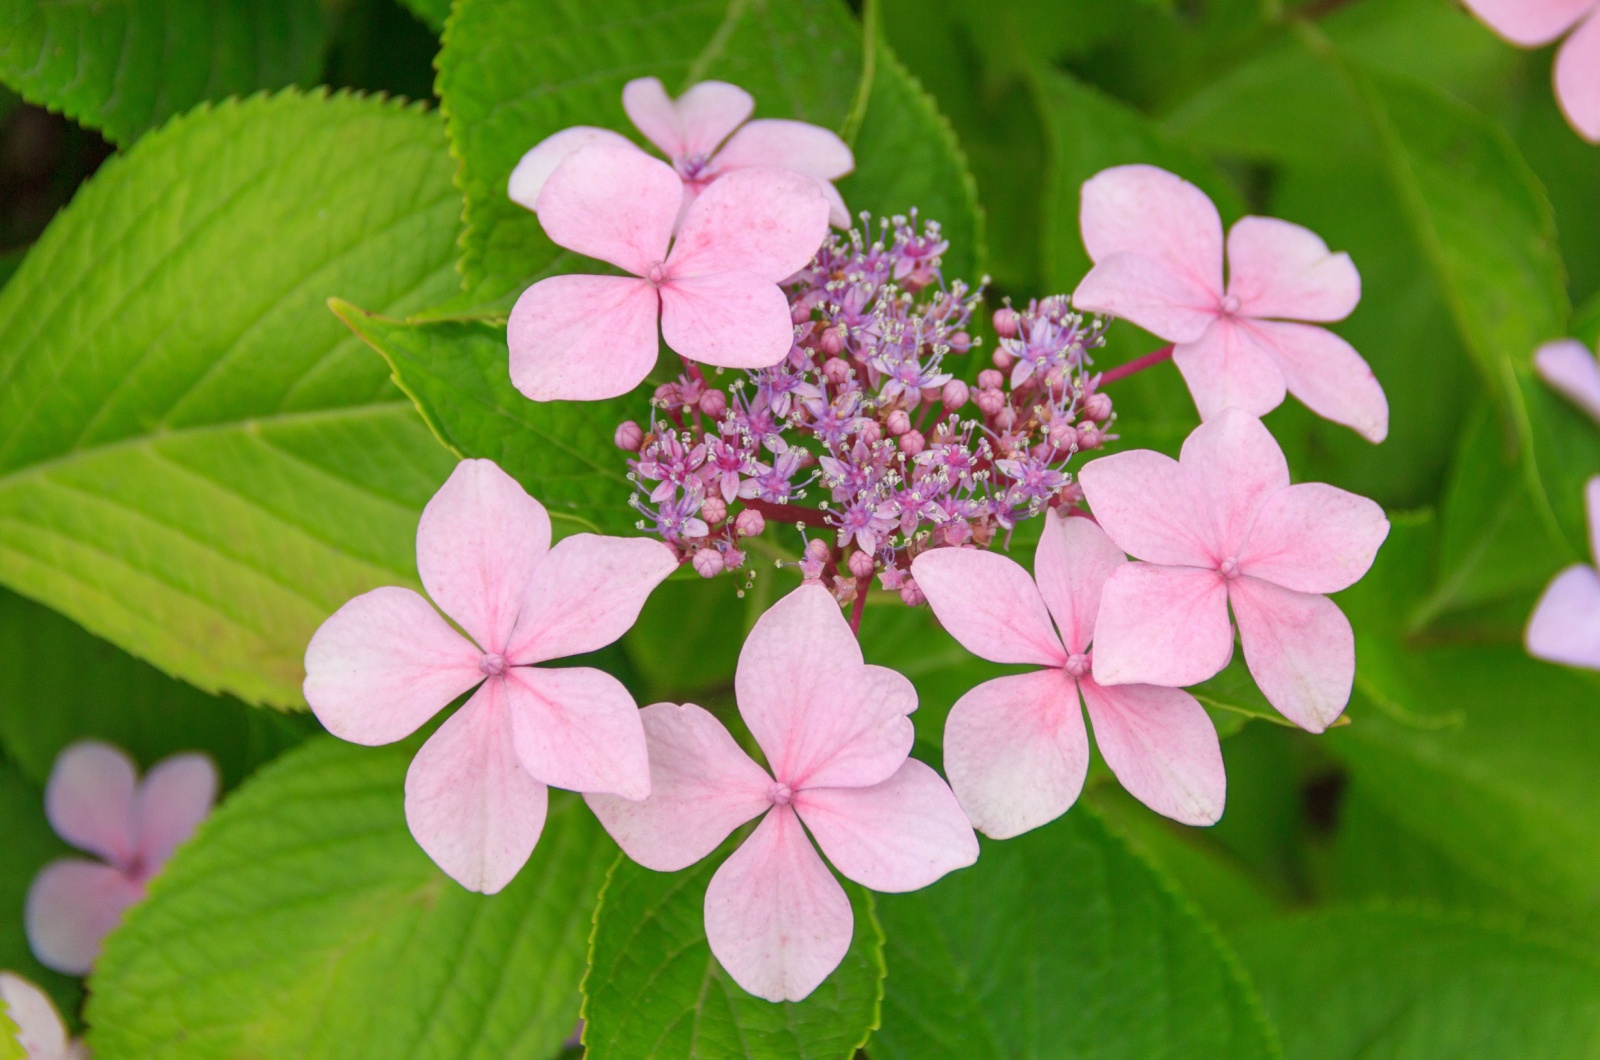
x=749, y=523
x=832, y=342
x=1003, y=360
x=870, y=434
x=799, y=314
x=955, y=394
x=912, y=443
x=629, y=436
x=862, y=564
x=837, y=371
x=817, y=549
x=898, y=422
x=713, y=509
x=1097, y=407
x=707, y=563
x=990, y=401
x=714, y=403
x=1063, y=435
x=733, y=559
x=1005, y=322
x=1090, y=436
x=1006, y=418
x=960, y=342
x=989, y=379
x=1042, y=451
x=666, y=395
x=910, y=595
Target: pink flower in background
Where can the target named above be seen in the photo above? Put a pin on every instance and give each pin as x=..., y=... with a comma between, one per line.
x=44, y=1036
x=689, y=131
x=1156, y=241
x=1535, y=23
x=1222, y=525
x=386, y=662
x=1570, y=369
x=837, y=736
x=96, y=802
x=1565, y=627
x=1015, y=747
x=716, y=294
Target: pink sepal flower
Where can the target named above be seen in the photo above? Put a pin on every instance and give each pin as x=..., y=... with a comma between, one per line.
x=716, y=294
x=1535, y=23
x=1565, y=626
x=96, y=801
x=1571, y=370
x=1156, y=241
x=1015, y=748
x=689, y=130
x=836, y=736
x=44, y=1036
x=386, y=662
x=1222, y=525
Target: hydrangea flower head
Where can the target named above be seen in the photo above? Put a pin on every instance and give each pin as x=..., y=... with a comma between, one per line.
x=386, y=662
x=1565, y=626
x=1571, y=370
x=1015, y=747
x=837, y=738
x=1157, y=245
x=1535, y=23
x=95, y=800
x=43, y=1035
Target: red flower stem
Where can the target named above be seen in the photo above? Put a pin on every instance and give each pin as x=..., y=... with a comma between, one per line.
x=788, y=513
x=1122, y=371
x=856, y=609
x=692, y=370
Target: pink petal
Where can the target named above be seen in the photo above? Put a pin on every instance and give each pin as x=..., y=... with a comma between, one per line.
x=702, y=787
x=535, y=167
x=1565, y=627
x=729, y=319
x=1577, y=77
x=1569, y=367
x=72, y=906
x=1314, y=538
x=855, y=733
x=383, y=664
x=578, y=728
x=1016, y=751
x=583, y=338
x=612, y=202
x=1073, y=561
x=1162, y=626
x=1299, y=648
x=1228, y=367
x=1530, y=23
x=470, y=804
x=1149, y=507
x=90, y=800
x=586, y=593
x=43, y=1035
x=479, y=541
x=1278, y=269
x=776, y=918
x=785, y=144
x=898, y=835
x=695, y=123
x=1144, y=210
x=1161, y=745
x=1149, y=293
x=174, y=797
x=1237, y=465
x=1591, y=507
x=989, y=604
x=1327, y=374
x=763, y=221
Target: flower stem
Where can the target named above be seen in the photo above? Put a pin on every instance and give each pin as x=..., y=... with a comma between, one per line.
x=787, y=513
x=1122, y=371
x=860, y=605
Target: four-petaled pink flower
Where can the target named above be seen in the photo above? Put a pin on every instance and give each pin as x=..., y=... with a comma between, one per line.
x=1156, y=241
x=1015, y=747
x=1565, y=627
x=1535, y=23
x=716, y=294
x=688, y=131
x=386, y=662
x=43, y=1035
x=1221, y=525
x=96, y=801
x=1570, y=369
x=836, y=735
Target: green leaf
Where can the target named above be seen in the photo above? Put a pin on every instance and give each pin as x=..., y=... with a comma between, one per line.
x=1061, y=943
x=1362, y=983
x=303, y=920
x=30, y=844
x=655, y=992
x=10, y=1043
x=198, y=462
x=432, y=12
x=126, y=67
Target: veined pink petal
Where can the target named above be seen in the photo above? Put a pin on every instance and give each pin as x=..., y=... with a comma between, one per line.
x=1327, y=374
x=1073, y=561
x=1161, y=745
x=583, y=338
x=693, y=124
x=479, y=541
x=784, y=144
x=1162, y=626
x=1530, y=23
x=44, y=1036
x=470, y=804
x=990, y=604
x=1314, y=538
x=1299, y=648
x=1237, y=465
x=612, y=202
x=1279, y=269
x=776, y=918
x=763, y=221
x=90, y=800
x=174, y=797
x=729, y=319
x=702, y=787
x=1016, y=751
x=586, y=593
x=535, y=167
x=853, y=733
x=1577, y=78
x=72, y=906
x=1144, y=210
x=1146, y=291
x=383, y=664
x=1150, y=508
x=578, y=728
x=1572, y=370
x=1227, y=367
x=898, y=835
x=1565, y=627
